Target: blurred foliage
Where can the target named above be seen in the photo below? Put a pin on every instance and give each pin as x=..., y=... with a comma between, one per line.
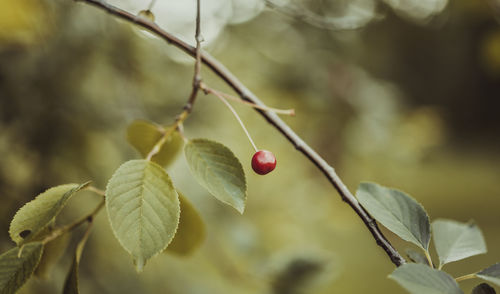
x=407, y=97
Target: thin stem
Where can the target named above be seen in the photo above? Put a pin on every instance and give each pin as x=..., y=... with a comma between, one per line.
x=180, y=128
x=157, y=147
x=290, y=112
x=62, y=230
x=429, y=259
x=216, y=94
x=151, y=4
x=245, y=94
x=194, y=92
x=466, y=277
x=96, y=190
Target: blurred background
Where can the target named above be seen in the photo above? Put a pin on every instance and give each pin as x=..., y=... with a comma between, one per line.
x=402, y=92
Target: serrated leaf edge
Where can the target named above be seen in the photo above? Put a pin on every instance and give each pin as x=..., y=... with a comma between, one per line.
x=141, y=263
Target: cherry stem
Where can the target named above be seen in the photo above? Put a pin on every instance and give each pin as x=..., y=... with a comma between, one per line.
x=218, y=95
x=466, y=277
x=290, y=112
x=151, y=4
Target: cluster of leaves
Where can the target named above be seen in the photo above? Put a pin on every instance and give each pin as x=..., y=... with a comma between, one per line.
x=148, y=215
x=453, y=241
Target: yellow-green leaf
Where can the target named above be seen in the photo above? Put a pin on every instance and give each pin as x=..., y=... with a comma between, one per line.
x=15, y=270
x=216, y=168
x=419, y=279
x=71, y=283
x=191, y=231
x=34, y=217
x=143, y=209
x=143, y=136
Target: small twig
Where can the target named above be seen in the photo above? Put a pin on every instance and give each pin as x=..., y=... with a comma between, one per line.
x=151, y=4
x=216, y=94
x=466, y=277
x=290, y=112
x=64, y=229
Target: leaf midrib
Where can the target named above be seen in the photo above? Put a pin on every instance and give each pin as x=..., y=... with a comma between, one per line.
x=404, y=226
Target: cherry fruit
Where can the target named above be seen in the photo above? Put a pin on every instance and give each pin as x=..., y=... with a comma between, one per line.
x=263, y=162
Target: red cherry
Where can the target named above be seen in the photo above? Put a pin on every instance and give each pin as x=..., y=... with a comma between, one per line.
x=263, y=162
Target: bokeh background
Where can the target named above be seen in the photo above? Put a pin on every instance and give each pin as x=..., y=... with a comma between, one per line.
x=404, y=93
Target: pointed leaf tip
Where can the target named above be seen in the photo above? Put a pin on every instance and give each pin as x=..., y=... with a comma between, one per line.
x=32, y=220
x=139, y=264
x=143, y=209
x=455, y=240
x=491, y=274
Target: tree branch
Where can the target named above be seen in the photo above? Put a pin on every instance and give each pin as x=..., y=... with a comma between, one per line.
x=197, y=64
x=245, y=94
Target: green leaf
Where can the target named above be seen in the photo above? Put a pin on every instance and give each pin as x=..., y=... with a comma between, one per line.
x=52, y=252
x=416, y=256
x=35, y=216
x=491, y=274
x=143, y=209
x=143, y=136
x=216, y=168
x=71, y=282
x=15, y=270
x=191, y=231
x=483, y=289
x=419, y=279
x=455, y=241
x=397, y=211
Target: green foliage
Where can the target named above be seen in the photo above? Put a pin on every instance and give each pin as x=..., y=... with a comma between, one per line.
x=455, y=241
x=143, y=209
x=216, y=168
x=491, y=274
x=35, y=216
x=416, y=256
x=71, y=283
x=191, y=231
x=15, y=270
x=483, y=288
x=419, y=279
x=396, y=211
x=143, y=135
